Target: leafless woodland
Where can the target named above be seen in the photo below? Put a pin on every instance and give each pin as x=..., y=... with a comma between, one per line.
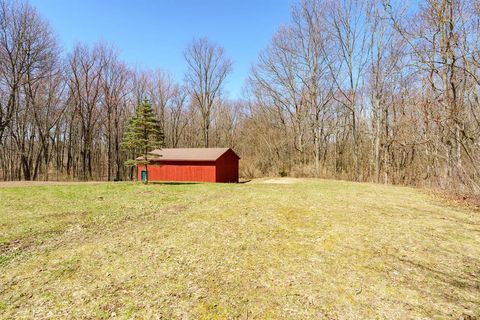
x=358, y=90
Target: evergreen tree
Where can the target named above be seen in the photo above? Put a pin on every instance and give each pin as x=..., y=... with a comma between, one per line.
x=143, y=134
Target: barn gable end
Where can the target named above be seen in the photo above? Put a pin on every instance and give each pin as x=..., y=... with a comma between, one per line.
x=227, y=167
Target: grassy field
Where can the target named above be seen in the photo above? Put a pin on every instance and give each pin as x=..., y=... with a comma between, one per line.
x=313, y=249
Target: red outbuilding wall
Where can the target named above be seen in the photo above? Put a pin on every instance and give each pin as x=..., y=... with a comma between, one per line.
x=227, y=167
x=180, y=171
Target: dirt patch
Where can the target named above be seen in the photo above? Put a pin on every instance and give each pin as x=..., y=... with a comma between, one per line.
x=176, y=209
x=16, y=245
x=280, y=181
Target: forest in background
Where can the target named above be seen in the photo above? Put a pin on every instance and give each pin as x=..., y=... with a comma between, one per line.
x=358, y=90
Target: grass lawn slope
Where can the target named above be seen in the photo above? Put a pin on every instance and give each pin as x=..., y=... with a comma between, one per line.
x=302, y=249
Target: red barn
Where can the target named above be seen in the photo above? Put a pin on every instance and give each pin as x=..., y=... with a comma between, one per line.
x=192, y=164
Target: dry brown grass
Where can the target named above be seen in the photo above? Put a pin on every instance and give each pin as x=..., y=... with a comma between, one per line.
x=312, y=249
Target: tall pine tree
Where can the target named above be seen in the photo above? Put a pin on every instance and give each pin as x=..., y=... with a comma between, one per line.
x=143, y=134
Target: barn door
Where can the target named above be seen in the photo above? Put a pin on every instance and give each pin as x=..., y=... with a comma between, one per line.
x=144, y=176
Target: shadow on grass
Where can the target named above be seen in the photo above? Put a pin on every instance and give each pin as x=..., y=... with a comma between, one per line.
x=172, y=183
x=179, y=183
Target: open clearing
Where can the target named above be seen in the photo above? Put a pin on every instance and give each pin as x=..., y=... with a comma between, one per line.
x=311, y=249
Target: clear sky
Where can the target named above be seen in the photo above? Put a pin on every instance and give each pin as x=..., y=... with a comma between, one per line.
x=153, y=34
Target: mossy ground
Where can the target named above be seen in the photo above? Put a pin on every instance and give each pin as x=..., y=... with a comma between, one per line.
x=313, y=249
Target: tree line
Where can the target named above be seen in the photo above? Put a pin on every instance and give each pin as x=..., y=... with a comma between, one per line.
x=371, y=91
x=63, y=116
x=359, y=90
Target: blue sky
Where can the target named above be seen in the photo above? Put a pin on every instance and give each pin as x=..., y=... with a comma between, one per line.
x=153, y=34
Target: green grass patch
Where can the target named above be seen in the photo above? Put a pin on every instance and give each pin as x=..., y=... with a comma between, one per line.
x=308, y=249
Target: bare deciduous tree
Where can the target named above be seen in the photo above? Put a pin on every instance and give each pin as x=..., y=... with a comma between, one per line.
x=207, y=69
